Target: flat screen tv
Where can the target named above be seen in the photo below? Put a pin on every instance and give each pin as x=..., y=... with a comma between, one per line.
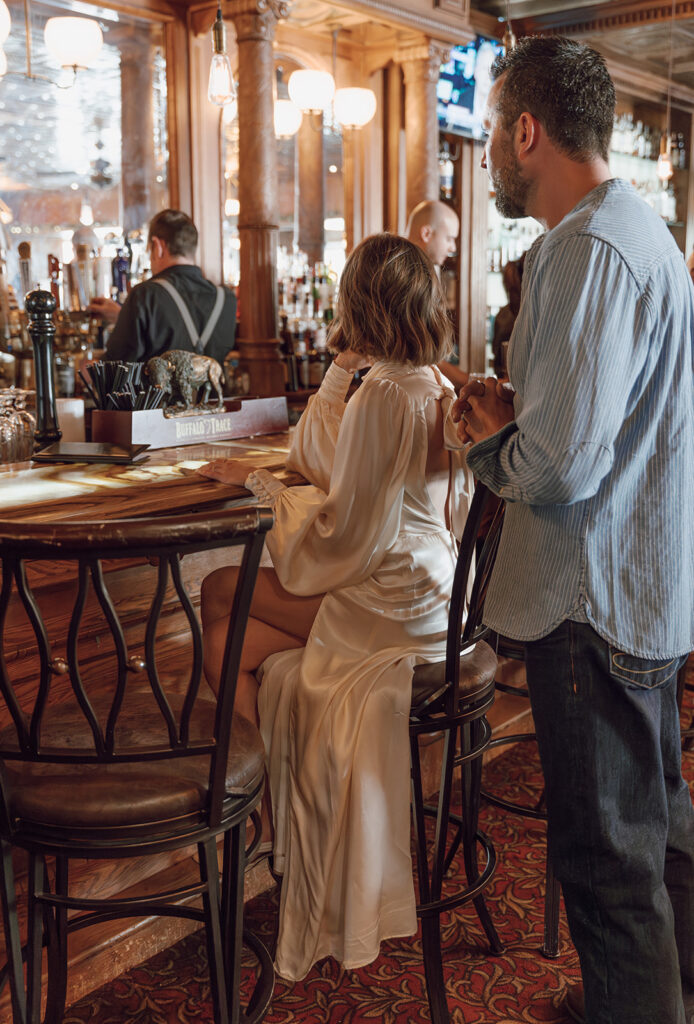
x=463, y=85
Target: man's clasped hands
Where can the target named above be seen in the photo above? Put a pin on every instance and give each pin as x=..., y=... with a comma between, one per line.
x=482, y=408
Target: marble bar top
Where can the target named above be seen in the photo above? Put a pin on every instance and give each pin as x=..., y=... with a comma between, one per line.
x=165, y=483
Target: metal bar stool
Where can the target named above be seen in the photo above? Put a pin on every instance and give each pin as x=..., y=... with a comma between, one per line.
x=125, y=764
x=515, y=649
x=451, y=698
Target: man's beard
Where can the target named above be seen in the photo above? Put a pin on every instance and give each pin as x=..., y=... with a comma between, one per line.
x=511, y=190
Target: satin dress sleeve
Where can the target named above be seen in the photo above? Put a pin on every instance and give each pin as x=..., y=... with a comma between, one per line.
x=334, y=537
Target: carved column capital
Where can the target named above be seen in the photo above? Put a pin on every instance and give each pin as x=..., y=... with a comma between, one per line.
x=423, y=60
x=256, y=19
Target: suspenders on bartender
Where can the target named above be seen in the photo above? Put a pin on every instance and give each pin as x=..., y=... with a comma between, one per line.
x=198, y=341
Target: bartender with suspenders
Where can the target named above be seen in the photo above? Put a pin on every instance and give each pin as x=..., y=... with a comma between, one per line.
x=177, y=308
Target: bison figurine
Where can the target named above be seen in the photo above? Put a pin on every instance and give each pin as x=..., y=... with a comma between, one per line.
x=182, y=373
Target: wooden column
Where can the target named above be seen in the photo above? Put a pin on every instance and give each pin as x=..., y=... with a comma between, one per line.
x=471, y=201
x=311, y=187
x=392, y=129
x=420, y=66
x=137, y=154
x=255, y=22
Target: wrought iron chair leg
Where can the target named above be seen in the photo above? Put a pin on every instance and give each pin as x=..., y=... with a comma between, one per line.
x=550, y=946
x=209, y=875
x=12, y=940
x=232, y=910
x=470, y=784
x=36, y=917
x=433, y=969
x=419, y=822
x=56, y=929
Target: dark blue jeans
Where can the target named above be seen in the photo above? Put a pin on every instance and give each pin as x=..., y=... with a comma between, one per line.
x=620, y=822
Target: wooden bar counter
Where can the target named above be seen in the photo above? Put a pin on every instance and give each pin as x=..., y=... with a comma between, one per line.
x=163, y=485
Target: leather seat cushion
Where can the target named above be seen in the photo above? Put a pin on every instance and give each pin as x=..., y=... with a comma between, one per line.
x=477, y=671
x=102, y=796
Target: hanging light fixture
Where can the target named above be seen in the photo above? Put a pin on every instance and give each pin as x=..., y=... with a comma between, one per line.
x=75, y=43
x=5, y=22
x=5, y=25
x=312, y=91
x=354, y=108
x=288, y=118
x=221, y=89
x=664, y=168
x=509, y=39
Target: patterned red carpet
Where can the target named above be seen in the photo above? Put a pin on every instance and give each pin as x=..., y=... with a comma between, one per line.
x=518, y=986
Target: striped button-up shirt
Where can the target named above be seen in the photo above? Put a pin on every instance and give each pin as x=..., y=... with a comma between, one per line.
x=598, y=465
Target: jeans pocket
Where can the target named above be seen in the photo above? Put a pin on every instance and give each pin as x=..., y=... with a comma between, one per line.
x=641, y=673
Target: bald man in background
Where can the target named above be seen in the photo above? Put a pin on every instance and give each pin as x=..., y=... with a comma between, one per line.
x=434, y=227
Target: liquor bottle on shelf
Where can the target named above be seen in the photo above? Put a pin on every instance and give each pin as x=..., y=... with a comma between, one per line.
x=236, y=381
x=681, y=146
x=318, y=356
x=291, y=379
x=301, y=355
x=446, y=171
x=120, y=271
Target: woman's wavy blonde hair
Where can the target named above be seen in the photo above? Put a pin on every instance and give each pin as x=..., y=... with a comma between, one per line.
x=391, y=304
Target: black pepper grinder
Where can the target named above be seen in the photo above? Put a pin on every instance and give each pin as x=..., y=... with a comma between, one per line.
x=40, y=306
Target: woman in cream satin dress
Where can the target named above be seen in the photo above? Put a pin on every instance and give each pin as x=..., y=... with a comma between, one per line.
x=364, y=556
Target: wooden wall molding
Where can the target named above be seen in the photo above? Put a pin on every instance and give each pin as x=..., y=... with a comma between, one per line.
x=612, y=15
x=461, y=7
x=452, y=28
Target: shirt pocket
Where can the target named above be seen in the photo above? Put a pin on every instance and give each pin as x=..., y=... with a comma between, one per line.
x=641, y=673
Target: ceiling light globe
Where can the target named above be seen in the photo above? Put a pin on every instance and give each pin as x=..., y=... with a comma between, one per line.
x=5, y=21
x=74, y=42
x=354, y=108
x=288, y=119
x=311, y=90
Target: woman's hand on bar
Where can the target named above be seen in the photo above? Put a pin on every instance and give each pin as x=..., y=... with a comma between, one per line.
x=227, y=471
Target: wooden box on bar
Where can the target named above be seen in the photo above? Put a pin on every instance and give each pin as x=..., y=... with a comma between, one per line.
x=240, y=418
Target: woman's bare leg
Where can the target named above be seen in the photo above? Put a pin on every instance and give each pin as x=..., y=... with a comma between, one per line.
x=273, y=612
x=278, y=621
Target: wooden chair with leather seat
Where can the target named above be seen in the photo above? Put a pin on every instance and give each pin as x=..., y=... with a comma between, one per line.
x=120, y=764
x=451, y=698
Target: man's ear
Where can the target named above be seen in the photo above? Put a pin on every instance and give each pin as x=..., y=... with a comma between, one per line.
x=426, y=232
x=527, y=134
x=158, y=246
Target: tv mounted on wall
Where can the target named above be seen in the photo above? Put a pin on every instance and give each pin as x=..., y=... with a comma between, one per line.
x=463, y=85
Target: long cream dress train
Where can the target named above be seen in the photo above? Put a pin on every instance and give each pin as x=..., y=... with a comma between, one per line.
x=369, y=532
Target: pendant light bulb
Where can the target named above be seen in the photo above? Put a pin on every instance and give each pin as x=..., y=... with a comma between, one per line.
x=509, y=40
x=221, y=89
x=664, y=168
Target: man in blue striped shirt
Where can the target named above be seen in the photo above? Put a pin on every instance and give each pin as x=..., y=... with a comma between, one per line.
x=595, y=571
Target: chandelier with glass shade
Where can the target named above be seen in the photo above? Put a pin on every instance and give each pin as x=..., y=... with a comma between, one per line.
x=73, y=42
